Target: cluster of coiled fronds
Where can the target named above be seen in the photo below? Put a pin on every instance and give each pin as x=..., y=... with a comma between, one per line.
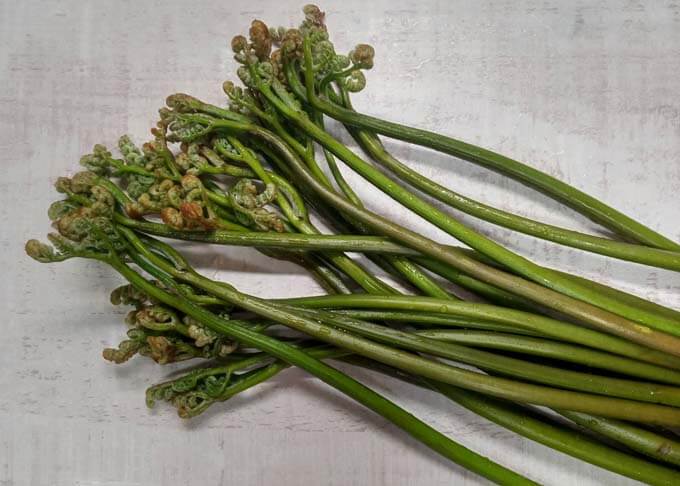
x=163, y=334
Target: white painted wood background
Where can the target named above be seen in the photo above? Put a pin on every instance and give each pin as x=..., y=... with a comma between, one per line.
x=585, y=90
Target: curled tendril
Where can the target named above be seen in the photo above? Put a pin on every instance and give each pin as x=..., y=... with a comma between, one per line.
x=131, y=154
x=158, y=155
x=276, y=60
x=59, y=209
x=161, y=349
x=197, y=216
x=183, y=103
x=165, y=349
x=151, y=160
x=83, y=190
x=173, y=218
x=260, y=39
x=291, y=44
x=42, y=252
x=244, y=74
x=355, y=82
x=277, y=34
x=239, y=44
x=211, y=156
x=157, y=196
x=362, y=56
x=224, y=147
x=314, y=19
x=129, y=295
x=127, y=348
x=100, y=161
x=326, y=63
x=138, y=185
x=265, y=72
x=82, y=182
x=82, y=232
x=156, y=318
x=192, y=161
x=209, y=383
x=240, y=100
x=212, y=345
x=215, y=385
x=181, y=206
x=259, y=47
x=165, y=391
x=249, y=205
x=201, y=335
x=192, y=403
x=186, y=127
x=63, y=185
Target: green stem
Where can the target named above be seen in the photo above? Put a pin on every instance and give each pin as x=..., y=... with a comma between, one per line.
x=419, y=279
x=407, y=422
x=405, y=268
x=648, y=443
x=422, y=343
x=431, y=319
x=254, y=377
x=588, y=313
x=325, y=275
x=572, y=197
x=488, y=292
x=603, y=246
x=367, y=244
x=500, y=315
x=499, y=387
x=555, y=350
x=355, y=271
x=530, y=423
x=479, y=242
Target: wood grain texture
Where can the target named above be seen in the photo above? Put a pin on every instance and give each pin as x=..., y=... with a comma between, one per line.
x=586, y=90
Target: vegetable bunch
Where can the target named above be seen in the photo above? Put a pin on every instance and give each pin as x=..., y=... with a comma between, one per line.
x=263, y=171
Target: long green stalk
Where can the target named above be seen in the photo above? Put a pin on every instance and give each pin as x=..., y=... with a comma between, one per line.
x=666, y=315
x=521, y=265
x=507, y=366
x=401, y=266
x=366, y=244
x=404, y=267
x=495, y=314
x=533, y=425
x=624, y=251
x=572, y=197
x=594, y=316
x=554, y=350
x=482, y=289
x=499, y=387
x=432, y=320
x=641, y=440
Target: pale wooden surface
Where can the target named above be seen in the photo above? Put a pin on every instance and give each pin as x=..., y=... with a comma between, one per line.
x=585, y=90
